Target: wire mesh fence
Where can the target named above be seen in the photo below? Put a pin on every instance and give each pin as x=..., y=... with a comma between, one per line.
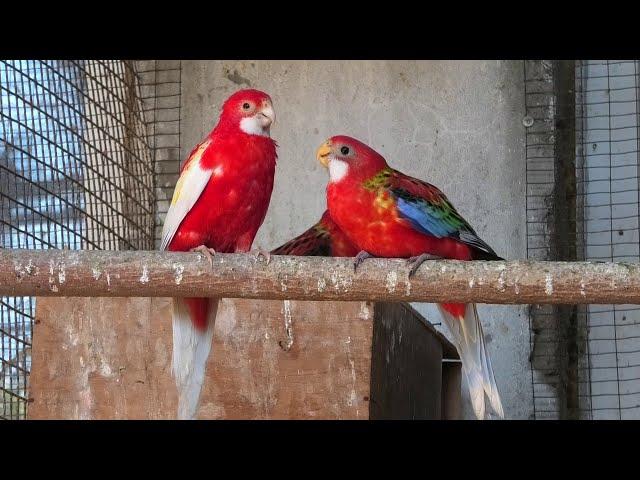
x=160, y=86
x=585, y=361
x=76, y=172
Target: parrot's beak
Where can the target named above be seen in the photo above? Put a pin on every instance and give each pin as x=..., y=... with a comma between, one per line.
x=267, y=115
x=323, y=154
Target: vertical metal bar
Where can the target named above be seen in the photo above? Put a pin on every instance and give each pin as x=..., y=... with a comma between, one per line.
x=615, y=323
x=581, y=126
x=526, y=209
x=564, y=232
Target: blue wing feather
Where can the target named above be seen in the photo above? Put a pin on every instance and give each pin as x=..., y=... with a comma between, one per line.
x=424, y=218
x=436, y=221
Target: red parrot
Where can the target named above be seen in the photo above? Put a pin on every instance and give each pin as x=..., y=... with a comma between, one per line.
x=324, y=239
x=219, y=202
x=389, y=214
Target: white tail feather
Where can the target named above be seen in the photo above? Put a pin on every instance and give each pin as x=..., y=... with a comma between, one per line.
x=476, y=365
x=191, y=350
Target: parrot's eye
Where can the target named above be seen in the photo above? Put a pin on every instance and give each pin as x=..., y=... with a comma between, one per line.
x=344, y=150
x=246, y=105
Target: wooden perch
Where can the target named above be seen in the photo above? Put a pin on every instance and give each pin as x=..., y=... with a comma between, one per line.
x=166, y=274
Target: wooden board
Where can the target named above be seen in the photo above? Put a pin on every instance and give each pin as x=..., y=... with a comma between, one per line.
x=110, y=358
x=406, y=366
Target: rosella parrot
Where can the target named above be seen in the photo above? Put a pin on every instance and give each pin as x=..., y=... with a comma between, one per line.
x=389, y=214
x=219, y=202
x=324, y=239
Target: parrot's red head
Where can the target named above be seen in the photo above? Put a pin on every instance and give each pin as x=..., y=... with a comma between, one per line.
x=249, y=110
x=347, y=157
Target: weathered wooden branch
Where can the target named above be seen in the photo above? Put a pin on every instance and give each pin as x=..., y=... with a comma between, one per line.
x=166, y=274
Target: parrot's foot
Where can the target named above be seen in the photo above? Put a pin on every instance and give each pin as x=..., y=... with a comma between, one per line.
x=209, y=253
x=415, y=262
x=259, y=252
x=359, y=258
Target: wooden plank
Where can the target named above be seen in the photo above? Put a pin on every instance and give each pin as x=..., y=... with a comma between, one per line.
x=406, y=366
x=101, y=358
x=451, y=394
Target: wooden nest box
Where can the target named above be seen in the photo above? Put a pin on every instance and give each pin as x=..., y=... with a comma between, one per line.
x=110, y=358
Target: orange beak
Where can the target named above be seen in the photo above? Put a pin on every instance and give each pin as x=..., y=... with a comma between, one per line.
x=323, y=153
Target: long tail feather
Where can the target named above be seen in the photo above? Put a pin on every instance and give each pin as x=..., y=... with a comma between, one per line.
x=469, y=340
x=191, y=348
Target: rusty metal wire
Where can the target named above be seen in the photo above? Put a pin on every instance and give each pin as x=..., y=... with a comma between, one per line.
x=605, y=349
x=76, y=172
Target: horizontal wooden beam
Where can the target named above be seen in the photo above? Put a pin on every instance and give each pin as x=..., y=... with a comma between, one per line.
x=165, y=274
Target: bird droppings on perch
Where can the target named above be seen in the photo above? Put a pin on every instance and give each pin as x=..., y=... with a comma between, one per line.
x=178, y=269
x=392, y=281
x=548, y=284
x=144, y=278
x=501, y=282
x=172, y=274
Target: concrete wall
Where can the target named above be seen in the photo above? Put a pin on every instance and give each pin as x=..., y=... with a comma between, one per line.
x=456, y=124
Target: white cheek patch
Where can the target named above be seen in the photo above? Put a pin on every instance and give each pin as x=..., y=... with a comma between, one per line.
x=252, y=126
x=337, y=169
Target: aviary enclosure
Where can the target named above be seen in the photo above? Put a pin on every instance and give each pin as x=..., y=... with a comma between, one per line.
x=90, y=152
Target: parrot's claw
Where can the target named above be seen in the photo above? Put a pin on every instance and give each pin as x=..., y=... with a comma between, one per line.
x=259, y=252
x=209, y=253
x=415, y=262
x=359, y=258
